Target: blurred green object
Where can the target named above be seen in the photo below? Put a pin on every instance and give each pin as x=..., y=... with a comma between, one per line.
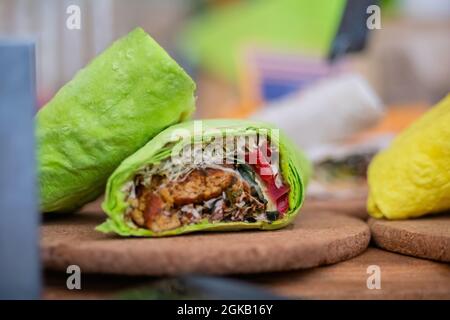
x=216, y=39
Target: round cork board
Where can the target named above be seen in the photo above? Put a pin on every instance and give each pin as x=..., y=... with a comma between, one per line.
x=315, y=238
x=425, y=237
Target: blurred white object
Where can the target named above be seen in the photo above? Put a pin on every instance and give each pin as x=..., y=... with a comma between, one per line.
x=340, y=152
x=325, y=113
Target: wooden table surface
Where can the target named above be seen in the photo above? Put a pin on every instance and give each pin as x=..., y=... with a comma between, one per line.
x=314, y=238
x=402, y=277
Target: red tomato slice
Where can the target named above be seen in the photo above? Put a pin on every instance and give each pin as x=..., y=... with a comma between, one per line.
x=264, y=170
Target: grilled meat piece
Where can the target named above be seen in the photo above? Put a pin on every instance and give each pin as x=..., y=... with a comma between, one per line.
x=200, y=185
x=154, y=208
x=216, y=194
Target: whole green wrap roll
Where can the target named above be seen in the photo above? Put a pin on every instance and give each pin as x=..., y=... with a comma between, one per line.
x=111, y=108
x=295, y=170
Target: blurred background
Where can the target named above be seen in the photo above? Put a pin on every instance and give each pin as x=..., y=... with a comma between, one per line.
x=407, y=60
x=341, y=77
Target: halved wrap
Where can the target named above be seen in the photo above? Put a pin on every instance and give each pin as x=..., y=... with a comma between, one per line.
x=412, y=177
x=111, y=108
x=211, y=175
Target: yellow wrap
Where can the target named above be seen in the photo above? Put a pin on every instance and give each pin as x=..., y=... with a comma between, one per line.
x=412, y=177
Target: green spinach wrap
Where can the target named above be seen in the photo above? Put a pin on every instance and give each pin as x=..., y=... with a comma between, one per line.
x=111, y=108
x=211, y=175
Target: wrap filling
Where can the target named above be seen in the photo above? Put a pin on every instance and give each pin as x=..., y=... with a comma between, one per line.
x=246, y=188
